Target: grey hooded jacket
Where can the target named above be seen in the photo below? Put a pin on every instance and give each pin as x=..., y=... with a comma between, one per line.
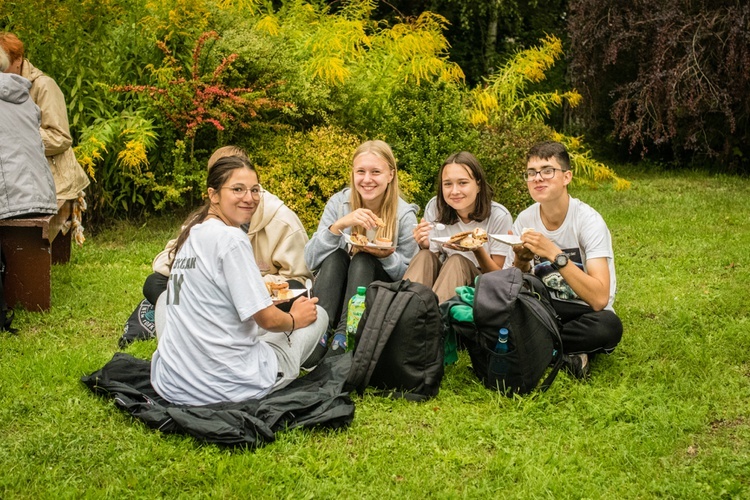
x=26, y=183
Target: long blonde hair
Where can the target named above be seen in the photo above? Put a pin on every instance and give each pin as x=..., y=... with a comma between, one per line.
x=389, y=205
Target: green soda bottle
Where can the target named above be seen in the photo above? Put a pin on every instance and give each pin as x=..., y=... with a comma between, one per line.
x=353, y=315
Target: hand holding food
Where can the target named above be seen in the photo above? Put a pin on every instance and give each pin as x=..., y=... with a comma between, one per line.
x=360, y=217
x=538, y=244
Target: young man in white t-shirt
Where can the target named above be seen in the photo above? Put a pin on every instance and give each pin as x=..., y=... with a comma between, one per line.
x=571, y=249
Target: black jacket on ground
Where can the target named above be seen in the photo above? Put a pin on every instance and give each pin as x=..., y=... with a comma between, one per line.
x=314, y=400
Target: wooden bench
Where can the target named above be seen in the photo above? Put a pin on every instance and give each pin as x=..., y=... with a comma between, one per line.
x=30, y=247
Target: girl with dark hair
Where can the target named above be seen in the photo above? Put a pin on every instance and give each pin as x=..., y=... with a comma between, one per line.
x=463, y=203
x=222, y=338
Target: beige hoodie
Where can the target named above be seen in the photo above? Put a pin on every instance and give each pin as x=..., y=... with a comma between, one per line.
x=70, y=179
x=278, y=239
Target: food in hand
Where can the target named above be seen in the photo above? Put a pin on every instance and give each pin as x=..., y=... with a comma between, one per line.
x=526, y=230
x=379, y=222
x=383, y=242
x=360, y=239
x=469, y=239
x=284, y=294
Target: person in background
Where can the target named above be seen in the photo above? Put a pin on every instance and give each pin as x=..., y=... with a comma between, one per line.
x=567, y=244
x=463, y=203
x=276, y=234
x=223, y=340
x=26, y=182
x=371, y=206
x=70, y=179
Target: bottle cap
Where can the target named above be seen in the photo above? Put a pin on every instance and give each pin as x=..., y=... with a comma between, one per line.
x=503, y=331
x=361, y=290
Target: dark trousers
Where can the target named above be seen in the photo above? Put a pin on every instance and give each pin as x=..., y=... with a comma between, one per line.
x=586, y=330
x=154, y=286
x=338, y=279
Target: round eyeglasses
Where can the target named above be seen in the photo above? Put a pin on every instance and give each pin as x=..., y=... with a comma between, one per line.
x=546, y=173
x=239, y=191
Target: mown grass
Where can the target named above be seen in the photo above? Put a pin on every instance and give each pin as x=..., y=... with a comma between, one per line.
x=667, y=415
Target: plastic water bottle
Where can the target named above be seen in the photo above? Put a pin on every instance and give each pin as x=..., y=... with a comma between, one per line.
x=502, y=341
x=353, y=315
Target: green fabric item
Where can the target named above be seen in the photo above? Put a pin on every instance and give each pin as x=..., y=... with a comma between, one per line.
x=462, y=313
x=466, y=293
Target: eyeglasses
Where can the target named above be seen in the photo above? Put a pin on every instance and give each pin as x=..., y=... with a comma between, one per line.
x=239, y=191
x=546, y=173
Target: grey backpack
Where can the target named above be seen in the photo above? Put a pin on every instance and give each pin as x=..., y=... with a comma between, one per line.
x=520, y=303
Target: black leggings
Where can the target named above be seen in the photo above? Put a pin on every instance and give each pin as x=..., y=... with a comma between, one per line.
x=338, y=279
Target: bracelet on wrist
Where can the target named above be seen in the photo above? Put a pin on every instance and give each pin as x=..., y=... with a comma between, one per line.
x=289, y=333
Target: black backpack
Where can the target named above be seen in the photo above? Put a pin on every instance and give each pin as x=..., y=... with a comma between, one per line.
x=399, y=343
x=519, y=302
x=6, y=315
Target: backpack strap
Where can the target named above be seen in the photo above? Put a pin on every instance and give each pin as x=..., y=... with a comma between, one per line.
x=537, y=289
x=387, y=308
x=551, y=377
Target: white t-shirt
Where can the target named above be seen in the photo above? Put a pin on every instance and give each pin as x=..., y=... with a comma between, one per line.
x=499, y=222
x=209, y=351
x=583, y=235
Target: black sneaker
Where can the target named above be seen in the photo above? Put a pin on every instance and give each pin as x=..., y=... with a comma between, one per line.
x=317, y=356
x=577, y=365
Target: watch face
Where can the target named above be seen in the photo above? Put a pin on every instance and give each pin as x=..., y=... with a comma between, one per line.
x=561, y=260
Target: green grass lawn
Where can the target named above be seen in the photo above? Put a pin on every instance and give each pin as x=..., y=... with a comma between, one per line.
x=667, y=414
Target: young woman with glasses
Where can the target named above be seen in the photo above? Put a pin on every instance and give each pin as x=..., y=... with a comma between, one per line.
x=276, y=234
x=222, y=337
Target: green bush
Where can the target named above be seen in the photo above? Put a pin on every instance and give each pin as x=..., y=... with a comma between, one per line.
x=423, y=124
x=502, y=151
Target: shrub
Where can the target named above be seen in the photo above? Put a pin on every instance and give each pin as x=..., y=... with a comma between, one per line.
x=502, y=152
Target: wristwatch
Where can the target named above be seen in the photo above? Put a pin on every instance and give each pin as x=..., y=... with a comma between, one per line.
x=561, y=260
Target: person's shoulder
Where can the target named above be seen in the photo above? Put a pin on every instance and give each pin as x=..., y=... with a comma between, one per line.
x=404, y=207
x=529, y=211
x=340, y=197
x=215, y=231
x=584, y=211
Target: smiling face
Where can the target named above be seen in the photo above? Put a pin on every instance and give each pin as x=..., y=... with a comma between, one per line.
x=240, y=210
x=371, y=176
x=459, y=189
x=548, y=190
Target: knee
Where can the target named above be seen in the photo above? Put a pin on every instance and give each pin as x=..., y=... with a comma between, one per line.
x=607, y=329
x=321, y=322
x=335, y=264
x=456, y=261
x=155, y=284
x=361, y=261
x=610, y=329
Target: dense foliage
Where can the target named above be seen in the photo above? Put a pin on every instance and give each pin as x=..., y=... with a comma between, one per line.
x=670, y=76
x=154, y=87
